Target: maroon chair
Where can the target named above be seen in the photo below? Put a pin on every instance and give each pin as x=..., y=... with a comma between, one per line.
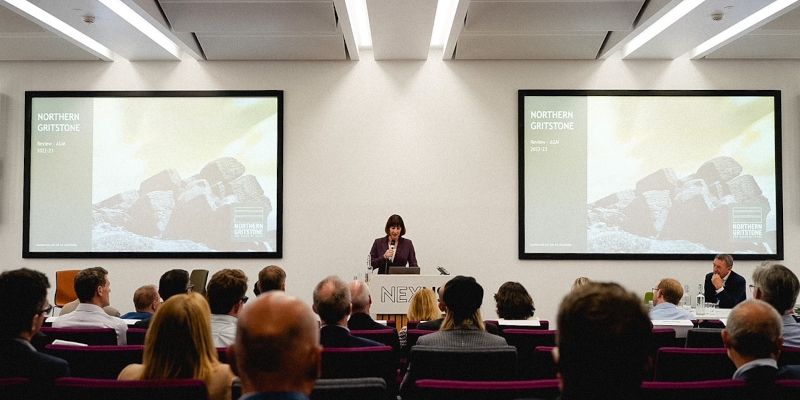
x=704, y=338
x=543, y=366
x=412, y=335
x=436, y=389
x=526, y=341
x=136, y=335
x=678, y=364
x=97, y=361
x=222, y=355
x=709, y=323
x=788, y=389
x=789, y=356
x=349, y=389
x=412, y=324
x=90, y=336
x=16, y=388
x=105, y=389
x=361, y=362
x=386, y=336
x=727, y=389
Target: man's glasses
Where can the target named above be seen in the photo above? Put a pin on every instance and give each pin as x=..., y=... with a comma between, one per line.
x=47, y=310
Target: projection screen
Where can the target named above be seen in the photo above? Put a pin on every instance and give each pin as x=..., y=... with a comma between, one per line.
x=649, y=174
x=153, y=174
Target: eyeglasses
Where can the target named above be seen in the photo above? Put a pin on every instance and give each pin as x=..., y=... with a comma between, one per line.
x=244, y=299
x=46, y=310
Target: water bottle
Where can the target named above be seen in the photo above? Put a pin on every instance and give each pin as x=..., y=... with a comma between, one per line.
x=701, y=300
x=686, y=300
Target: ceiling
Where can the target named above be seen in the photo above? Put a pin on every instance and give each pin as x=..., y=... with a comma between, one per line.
x=326, y=30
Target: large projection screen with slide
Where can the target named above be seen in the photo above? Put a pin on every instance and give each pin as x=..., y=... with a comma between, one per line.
x=158, y=174
x=650, y=174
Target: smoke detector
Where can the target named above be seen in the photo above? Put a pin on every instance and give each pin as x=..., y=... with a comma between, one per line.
x=89, y=19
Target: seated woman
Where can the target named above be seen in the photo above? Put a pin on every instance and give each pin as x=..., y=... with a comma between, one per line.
x=178, y=345
x=514, y=302
x=422, y=307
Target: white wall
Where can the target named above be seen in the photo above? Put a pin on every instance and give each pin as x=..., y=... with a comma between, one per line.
x=434, y=141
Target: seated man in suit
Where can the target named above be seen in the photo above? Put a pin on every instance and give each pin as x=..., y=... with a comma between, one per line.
x=752, y=337
x=332, y=303
x=94, y=290
x=25, y=291
x=277, y=349
x=146, y=301
x=172, y=282
x=603, y=343
x=778, y=286
x=722, y=285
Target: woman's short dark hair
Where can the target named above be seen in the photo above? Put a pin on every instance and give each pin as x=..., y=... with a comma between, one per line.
x=513, y=301
x=395, y=220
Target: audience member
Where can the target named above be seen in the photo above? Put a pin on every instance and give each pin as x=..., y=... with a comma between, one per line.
x=332, y=303
x=603, y=343
x=72, y=305
x=277, y=349
x=178, y=345
x=146, y=301
x=226, y=295
x=361, y=301
x=24, y=293
x=421, y=307
x=666, y=296
x=514, y=302
x=724, y=286
x=172, y=282
x=752, y=337
x=580, y=282
x=272, y=277
x=435, y=324
x=778, y=286
x=93, y=289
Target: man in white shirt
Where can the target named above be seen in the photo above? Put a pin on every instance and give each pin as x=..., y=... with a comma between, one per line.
x=226, y=296
x=666, y=297
x=778, y=286
x=93, y=289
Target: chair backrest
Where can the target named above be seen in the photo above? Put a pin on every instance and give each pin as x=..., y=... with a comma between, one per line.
x=198, y=279
x=474, y=364
x=90, y=336
x=412, y=324
x=65, y=287
x=104, y=389
x=136, y=335
x=710, y=323
x=680, y=364
x=479, y=390
x=412, y=335
x=727, y=389
x=349, y=389
x=385, y=336
x=789, y=356
x=543, y=325
x=704, y=337
x=526, y=341
x=222, y=355
x=97, y=361
x=789, y=388
x=15, y=388
x=360, y=362
x=543, y=366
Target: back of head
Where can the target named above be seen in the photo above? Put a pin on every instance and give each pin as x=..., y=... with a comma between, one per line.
x=579, y=282
x=671, y=289
x=87, y=281
x=513, y=301
x=603, y=341
x=359, y=296
x=26, y=290
x=144, y=297
x=332, y=300
x=463, y=297
x=272, y=277
x=277, y=345
x=422, y=306
x=172, y=282
x=777, y=286
x=754, y=329
x=179, y=343
x=224, y=290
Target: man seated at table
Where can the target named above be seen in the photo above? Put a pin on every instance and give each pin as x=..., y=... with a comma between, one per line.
x=723, y=286
x=666, y=297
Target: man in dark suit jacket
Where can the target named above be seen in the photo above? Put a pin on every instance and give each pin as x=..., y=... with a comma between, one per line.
x=27, y=291
x=332, y=304
x=361, y=301
x=753, y=339
x=723, y=286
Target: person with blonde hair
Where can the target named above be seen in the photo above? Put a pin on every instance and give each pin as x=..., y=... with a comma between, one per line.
x=422, y=307
x=178, y=345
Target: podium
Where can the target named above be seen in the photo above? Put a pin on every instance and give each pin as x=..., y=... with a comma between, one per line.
x=392, y=293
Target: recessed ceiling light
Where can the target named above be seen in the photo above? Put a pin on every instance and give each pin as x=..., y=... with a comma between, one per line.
x=144, y=26
x=662, y=23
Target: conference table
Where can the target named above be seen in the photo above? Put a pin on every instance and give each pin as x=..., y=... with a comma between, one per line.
x=681, y=327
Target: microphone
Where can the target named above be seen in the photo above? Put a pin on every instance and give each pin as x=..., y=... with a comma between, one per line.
x=442, y=271
x=392, y=247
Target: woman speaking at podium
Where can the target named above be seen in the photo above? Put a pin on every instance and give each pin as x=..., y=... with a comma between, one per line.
x=392, y=250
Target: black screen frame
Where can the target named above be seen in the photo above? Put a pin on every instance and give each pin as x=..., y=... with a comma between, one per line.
x=278, y=251
x=523, y=255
